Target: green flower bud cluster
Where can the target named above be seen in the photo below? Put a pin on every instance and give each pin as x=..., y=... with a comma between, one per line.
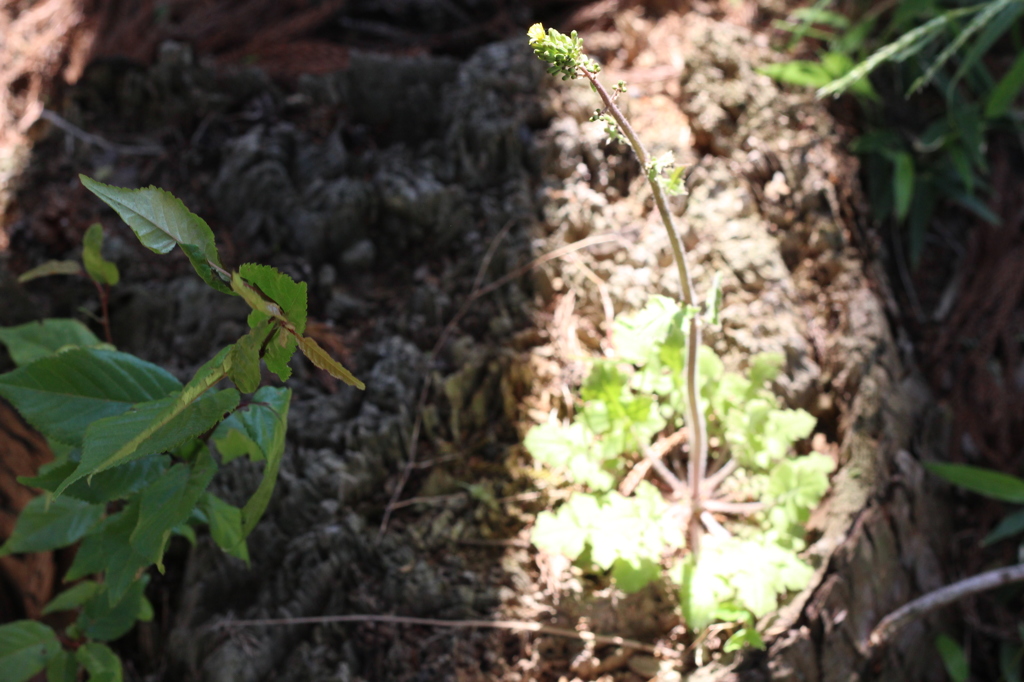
x=563, y=52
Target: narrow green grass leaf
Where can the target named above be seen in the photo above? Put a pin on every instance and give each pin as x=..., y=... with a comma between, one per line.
x=51, y=268
x=25, y=647
x=161, y=221
x=798, y=72
x=28, y=342
x=46, y=523
x=993, y=484
x=992, y=31
x=1010, y=526
x=99, y=268
x=63, y=394
x=903, y=183
x=319, y=357
x=1006, y=90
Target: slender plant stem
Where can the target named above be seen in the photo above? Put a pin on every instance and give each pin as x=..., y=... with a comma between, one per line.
x=104, y=293
x=698, y=442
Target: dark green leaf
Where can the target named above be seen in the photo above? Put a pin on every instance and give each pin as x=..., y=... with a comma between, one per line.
x=100, y=269
x=1011, y=525
x=167, y=503
x=25, y=647
x=105, y=621
x=902, y=183
x=63, y=394
x=73, y=597
x=62, y=667
x=150, y=428
x=161, y=222
x=49, y=269
x=993, y=484
x=108, y=548
x=117, y=482
x=33, y=340
x=1006, y=90
x=46, y=523
x=266, y=425
x=953, y=658
x=100, y=662
x=225, y=522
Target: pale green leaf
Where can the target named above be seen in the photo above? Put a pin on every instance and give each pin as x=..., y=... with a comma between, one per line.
x=63, y=394
x=161, y=222
x=319, y=357
x=25, y=647
x=49, y=269
x=46, y=523
x=100, y=269
x=33, y=340
x=244, y=359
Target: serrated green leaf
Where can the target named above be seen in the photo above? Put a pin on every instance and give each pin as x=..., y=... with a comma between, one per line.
x=100, y=269
x=161, y=221
x=72, y=597
x=47, y=523
x=63, y=394
x=278, y=287
x=993, y=484
x=638, y=336
x=319, y=357
x=279, y=349
x=264, y=308
x=150, y=428
x=225, y=523
x=167, y=503
x=567, y=530
x=62, y=667
x=100, y=662
x=108, y=549
x=25, y=647
x=244, y=359
x=28, y=342
x=266, y=422
x=797, y=485
x=112, y=484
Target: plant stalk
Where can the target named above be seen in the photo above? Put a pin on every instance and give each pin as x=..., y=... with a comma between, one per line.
x=697, y=432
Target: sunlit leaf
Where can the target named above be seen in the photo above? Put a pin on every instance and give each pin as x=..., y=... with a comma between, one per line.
x=100, y=269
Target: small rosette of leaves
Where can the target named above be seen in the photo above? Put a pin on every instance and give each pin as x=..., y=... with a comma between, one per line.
x=563, y=52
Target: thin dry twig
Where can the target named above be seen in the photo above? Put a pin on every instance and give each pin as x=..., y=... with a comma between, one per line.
x=514, y=625
x=943, y=596
x=104, y=144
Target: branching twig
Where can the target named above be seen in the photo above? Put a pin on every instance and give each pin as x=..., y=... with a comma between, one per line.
x=943, y=596
x=89, y=138
x=515, y=625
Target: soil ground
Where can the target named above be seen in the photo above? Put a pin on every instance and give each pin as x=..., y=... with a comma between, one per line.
x=382, y=154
